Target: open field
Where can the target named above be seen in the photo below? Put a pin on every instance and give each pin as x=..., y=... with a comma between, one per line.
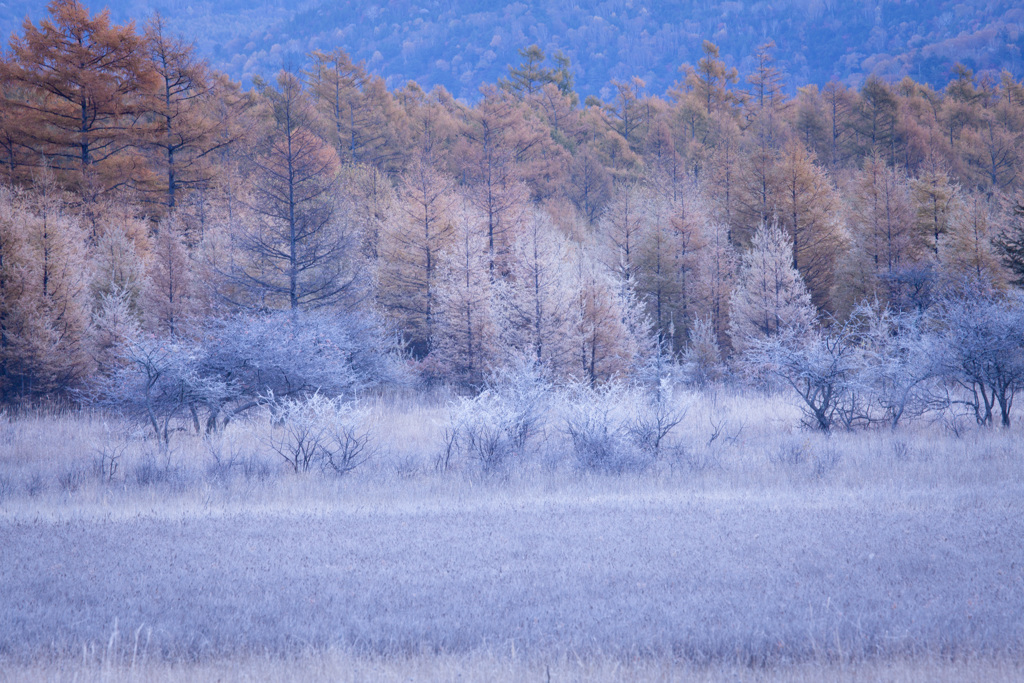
x=769, y=553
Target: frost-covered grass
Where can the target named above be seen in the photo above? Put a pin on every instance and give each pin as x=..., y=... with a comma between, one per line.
x=511, y=667
x=750, y=548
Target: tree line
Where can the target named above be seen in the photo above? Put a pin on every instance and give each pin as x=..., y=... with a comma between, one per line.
x=154, y=216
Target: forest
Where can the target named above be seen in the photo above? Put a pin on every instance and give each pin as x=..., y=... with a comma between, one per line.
x=326, y=379
x=175, y=246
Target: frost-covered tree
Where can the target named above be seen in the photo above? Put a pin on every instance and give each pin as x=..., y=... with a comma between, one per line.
x=718, y=279
x=969, y=252
x=539, y=311
x=117, y=267
x=612, y=333
x=168, y=300
x=886, y=241
x=465, y=336
x=982, y=336
x=45, y=331
x=623, y=229
x=411, y=254
x=933, y=196
x=770, y=296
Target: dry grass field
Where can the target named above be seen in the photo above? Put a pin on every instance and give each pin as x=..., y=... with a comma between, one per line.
x=755, y=550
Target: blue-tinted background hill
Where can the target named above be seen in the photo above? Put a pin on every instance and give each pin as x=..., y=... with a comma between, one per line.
x=461, y=44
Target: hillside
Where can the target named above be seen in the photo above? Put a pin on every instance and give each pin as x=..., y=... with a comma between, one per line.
x=461, y=44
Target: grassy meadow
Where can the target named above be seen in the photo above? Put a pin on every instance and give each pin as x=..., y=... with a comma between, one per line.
x=751, y=549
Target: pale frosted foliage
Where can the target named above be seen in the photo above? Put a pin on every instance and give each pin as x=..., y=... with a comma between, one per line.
x=46, y=326
x=703, y=355
x=981, y=344
x=168, y=297
x=118, y=267
x=968, y=252
x=670, y=272
x=318, y=433
x=623, y=229
x=770, y=296
x=539, y=304
x=900, y=361
x=718, y=277
x=884, y=234
x=411, y=250
x=612, y=332
x=115, y=324
x=656, y=261
x=465, y=336
x=373, y=202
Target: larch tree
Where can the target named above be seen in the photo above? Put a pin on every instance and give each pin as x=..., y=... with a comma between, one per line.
x=770, y=296
x=465, y=334
x=710, y=81
x=716, y=279
x=45, y=322
x=766, y=103
x=16, y=151
x=969, y=253
x=654, y=260
x=1009, y=240
x=839, y=110
x=810, y=122
x=722, y=170
x=877, y=113
x=622, y=230
x=611, y=331
x=118, y=267
x=488, y=155
x=169, y=295
x=809, y=209
x=365, y=124
x=997, y=148
x=689, y=225
x=933, y=196
x=630, y=110
x=83, y=83
x=373, y=203
x=882, y=222
x=538, y=305
x=590, y=185
x=411, y=249
x=295, y=246
x=531, y=75
x=195, y=115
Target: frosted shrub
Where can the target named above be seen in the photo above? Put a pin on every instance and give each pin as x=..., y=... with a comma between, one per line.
x=227, y=459
x=480, y=429
x=158, y=469
x=599, y=431
x=497, y=426
x=318, y=432
x=821, y=366
x=489, y=430
x=524, y=392
x=655, y=419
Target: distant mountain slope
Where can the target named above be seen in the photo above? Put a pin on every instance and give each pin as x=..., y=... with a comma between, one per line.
x=463, y=43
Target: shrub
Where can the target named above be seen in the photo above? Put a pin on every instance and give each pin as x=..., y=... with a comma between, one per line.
x=317, y=432
x=599, y=431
